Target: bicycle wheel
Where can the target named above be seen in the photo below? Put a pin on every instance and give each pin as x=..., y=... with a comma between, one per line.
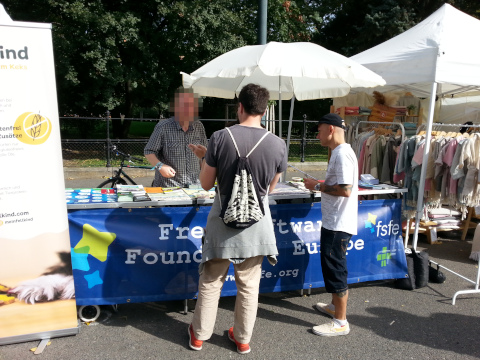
x=110, y=183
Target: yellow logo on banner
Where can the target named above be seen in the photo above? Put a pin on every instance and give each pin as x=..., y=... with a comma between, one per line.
x=32, y=129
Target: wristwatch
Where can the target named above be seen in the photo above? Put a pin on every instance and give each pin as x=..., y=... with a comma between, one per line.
x=317, y=187
x=159, y=165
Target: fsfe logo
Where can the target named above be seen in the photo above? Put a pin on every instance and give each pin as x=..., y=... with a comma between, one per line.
x=377, y=227
x=380, y=228
x=32, y=129
x=370, y=222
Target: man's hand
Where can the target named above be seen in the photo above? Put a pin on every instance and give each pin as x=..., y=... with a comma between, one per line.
x=310, y=183
x=198, y=150
x=167, y=171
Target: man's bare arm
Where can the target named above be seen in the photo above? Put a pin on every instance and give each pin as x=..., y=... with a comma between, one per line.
x=344, y=190
x=274, y=182
x=207, y=176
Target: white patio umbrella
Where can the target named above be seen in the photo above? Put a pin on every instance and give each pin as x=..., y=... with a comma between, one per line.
x=300, y=70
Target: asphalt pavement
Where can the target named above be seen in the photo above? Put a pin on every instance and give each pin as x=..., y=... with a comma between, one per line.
x=386, y=322
x=92, y=177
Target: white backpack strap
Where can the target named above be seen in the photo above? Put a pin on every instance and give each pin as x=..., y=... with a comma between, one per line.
x=234, y=143
x=258, y=143
x=236, y=147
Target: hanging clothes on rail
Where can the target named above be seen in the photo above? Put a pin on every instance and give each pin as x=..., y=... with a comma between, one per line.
x=404, y=170
x=376, y=150
x=452, y=172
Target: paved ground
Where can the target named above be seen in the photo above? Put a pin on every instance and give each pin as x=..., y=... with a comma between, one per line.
x=386, y=323
x=92, y=177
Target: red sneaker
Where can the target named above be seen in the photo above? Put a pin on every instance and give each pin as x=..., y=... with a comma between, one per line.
x=241, y=348
x=194, y=343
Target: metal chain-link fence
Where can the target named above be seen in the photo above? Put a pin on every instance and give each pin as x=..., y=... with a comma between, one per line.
x=85, y=140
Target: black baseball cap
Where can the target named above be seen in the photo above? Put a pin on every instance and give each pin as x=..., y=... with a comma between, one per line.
x=330, y=119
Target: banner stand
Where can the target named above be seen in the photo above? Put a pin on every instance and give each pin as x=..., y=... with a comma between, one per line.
x=44, y=337
x=37, y=293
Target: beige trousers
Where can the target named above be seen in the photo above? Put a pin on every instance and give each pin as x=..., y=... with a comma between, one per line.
x=247, y=279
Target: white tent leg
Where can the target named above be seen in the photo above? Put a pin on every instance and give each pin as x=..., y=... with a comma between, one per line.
x=282, y=177
x=407, y=234
x=476, y=291
x=423, y=174
x=280, y=107
x=292, y=104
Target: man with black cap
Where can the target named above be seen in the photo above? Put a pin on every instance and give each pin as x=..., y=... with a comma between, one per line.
x=339, y=221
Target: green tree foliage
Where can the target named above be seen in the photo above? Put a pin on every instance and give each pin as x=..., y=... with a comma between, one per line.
x=126, y=55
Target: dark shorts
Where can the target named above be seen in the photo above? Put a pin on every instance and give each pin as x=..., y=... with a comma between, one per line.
x=333, y=249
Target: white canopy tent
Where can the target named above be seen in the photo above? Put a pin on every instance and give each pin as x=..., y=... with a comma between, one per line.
x=434, y=58
x=460, y=109
x=439, y=49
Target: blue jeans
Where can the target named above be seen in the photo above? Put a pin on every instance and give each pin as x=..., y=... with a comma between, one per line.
x=333, y=249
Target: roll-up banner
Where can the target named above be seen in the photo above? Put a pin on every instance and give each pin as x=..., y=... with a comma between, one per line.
x=139, y=255
x=37, y=296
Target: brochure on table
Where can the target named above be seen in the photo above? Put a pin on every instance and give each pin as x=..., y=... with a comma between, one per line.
x=33, y=218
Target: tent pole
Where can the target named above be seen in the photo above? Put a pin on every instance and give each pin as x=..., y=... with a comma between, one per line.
x=280, y=107
x=282, y=177
x=423, y=173
x=292, y=104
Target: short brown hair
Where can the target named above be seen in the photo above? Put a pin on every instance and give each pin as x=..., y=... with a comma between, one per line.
x=254, y=99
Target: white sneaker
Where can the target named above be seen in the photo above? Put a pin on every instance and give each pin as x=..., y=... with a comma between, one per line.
x=331, y=329
x=328, y=309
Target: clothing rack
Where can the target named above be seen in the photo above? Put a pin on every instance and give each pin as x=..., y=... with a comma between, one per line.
x=380, y=123
x=436, y=126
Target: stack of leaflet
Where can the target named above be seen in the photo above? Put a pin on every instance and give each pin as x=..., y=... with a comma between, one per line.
x=199, y=193
x=90, y=196
x=291, y=188
x=367, y=181
x=366, y=185
x=128, y=193
x=170, y=194
x=153, y=190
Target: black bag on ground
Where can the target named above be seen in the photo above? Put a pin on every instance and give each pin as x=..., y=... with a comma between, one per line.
x=243, y=207
x=421, y=265
x=409, y=282
x=435, y=275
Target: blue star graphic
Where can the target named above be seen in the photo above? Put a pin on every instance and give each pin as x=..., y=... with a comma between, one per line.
x=368, y=224
x=80, y=261
x=93, y=279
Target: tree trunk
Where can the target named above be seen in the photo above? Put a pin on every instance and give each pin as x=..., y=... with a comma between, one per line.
x=121, y=128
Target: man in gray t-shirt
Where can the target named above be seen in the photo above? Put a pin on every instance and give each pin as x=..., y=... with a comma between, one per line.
x=266, y=161
x=245, y=247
